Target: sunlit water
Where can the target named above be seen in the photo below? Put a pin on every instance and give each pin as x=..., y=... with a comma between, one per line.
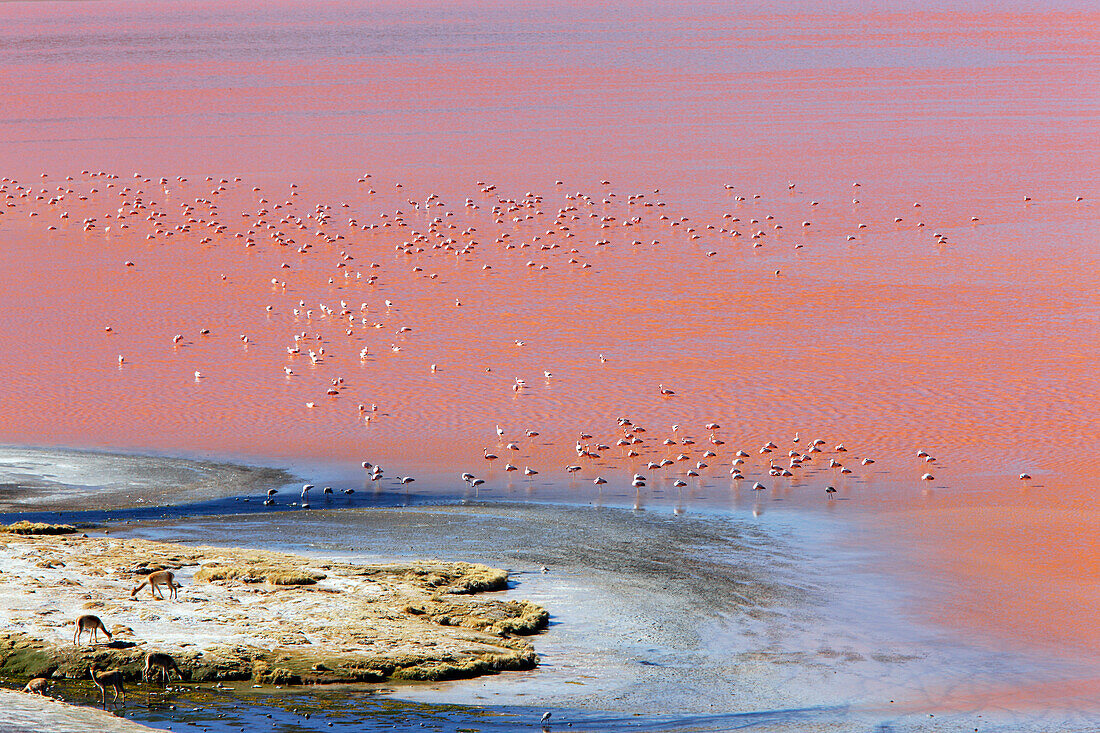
x=978, y=346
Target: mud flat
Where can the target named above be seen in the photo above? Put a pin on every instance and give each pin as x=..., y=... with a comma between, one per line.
x=56, y=479
x=268, y=617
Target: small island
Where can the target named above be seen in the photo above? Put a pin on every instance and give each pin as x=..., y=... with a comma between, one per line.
x=244, y=614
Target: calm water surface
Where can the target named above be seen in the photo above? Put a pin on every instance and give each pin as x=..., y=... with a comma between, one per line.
x=412, y=146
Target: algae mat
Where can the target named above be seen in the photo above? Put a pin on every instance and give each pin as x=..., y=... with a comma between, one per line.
x=270, y=617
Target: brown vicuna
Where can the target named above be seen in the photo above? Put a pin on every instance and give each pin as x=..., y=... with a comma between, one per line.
x=38, y=686
x=162, y=665
x=92, y=625
x=103, y=680
x=155, y=581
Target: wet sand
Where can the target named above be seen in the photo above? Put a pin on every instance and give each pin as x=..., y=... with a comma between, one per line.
x=24, y=712
x=54, y=479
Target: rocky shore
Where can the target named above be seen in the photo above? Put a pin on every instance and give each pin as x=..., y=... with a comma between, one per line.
x=240, y=614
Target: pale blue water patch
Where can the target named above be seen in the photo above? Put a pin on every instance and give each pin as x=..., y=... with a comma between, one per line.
x=680, y=617
x=363, y=710
x=230, y=506
x=632, y=596
x=350, y=708
x=700, y=614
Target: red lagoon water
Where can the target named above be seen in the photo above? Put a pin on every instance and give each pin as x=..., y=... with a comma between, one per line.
x=876, y=228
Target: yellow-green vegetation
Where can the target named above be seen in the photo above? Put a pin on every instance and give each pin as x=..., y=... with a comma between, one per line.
x=463, y=577
x=251, y=573
x=26, y=527
x=457, y=578
x=504, y=618
x=273, y=618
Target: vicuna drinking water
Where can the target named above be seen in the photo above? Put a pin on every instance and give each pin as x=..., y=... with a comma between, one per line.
x=38, y=686
x=160, y=664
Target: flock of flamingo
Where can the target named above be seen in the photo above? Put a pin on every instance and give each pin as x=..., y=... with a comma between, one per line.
x=342, y=250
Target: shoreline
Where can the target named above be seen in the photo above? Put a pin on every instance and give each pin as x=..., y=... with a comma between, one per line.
x=37, y=480
x=26, y=712
x=730, y=623
x=736, y=612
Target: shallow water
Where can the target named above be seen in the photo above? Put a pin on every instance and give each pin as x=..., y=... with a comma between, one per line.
x=704, y=615
x=664, y=617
